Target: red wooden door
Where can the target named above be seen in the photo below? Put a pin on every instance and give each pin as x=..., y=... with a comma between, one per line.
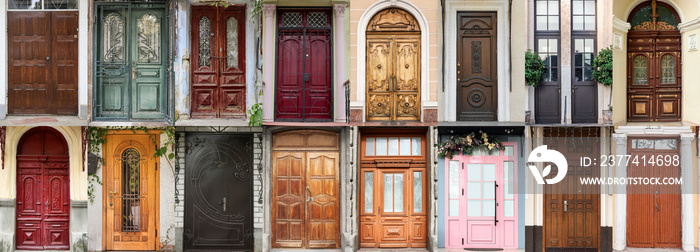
x=43, y=62
x=218, y=62
x=304, y=75
x=43, y=193
x=653, y=211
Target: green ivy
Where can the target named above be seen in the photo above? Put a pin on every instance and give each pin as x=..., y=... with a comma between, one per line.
x=255, y=115
x=534, y=68
x=603, y=67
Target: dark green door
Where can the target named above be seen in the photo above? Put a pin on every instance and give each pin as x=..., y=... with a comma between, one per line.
x=131, y=66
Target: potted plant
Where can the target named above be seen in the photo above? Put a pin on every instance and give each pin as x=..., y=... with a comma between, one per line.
x=534, y=69
x=602, y=73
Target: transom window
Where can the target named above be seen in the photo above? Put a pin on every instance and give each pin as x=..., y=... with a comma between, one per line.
x=655, y=144
x=583, y=15
x=42, y=4
x=547, y=15
x=393, y=146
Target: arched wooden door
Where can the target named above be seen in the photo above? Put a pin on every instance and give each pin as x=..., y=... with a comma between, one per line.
x=43, y=191
x=130, y=191
x=654, y=64
x=305, y=189
x=393, y=66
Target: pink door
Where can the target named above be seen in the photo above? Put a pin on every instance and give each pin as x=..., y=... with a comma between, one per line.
x=481, y=207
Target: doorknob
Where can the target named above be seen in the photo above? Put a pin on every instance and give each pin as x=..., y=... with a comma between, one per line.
x=566, y=206
x=48, y=58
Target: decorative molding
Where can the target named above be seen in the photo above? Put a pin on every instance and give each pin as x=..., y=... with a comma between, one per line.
x=269, y=9
x=620, y=25
x=693, y=42
x=653, y=130
x=3, y=130
x=617, y=41
x=620, y=138
x=84, y=132
x=339, y=9
x=689, y=25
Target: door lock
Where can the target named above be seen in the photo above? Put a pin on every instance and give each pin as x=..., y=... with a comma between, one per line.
x=566, y=206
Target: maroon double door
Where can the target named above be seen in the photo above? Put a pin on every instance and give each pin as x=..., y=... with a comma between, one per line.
x=218, y=62
x=304, y=82
x=43, y=193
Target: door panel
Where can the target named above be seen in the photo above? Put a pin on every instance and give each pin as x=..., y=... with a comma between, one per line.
x=148, y=64
x=547, y=93
x=130, y=192
x=219, y=196
x=379, y=78
x=64, y=62
x=288, y=199
x=29, y=46
x=322, y=205
x=584, y=90
x=476, y=67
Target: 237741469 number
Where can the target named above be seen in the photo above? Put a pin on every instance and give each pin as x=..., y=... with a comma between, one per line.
x=616, y=160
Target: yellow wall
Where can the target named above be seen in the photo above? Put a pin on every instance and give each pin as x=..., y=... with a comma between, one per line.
x=78, y=177
x=518, y=90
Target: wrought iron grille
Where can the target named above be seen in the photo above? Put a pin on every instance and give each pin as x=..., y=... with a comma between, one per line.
x=304, y=88
x=131, y=196
x=111, y=68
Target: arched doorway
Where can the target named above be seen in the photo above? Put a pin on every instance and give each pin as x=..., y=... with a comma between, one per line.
x=393, y=66
x=43, y=192
x=653, y=64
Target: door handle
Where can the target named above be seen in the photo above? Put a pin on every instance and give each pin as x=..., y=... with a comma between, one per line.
x=48, y=58
x=306, y=77
x=566, y=206
x=311, y=197
x=495, y=208
x=47, y=205
x=379, y=209
x=133, y=73
x=111, y=196
x=224, y=204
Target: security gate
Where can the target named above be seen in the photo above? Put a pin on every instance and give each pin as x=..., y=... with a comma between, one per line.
x=219, y=192
x=131, y=60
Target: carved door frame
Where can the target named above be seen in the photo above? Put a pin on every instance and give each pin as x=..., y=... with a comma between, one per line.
x=117, y=142
x=392, y=98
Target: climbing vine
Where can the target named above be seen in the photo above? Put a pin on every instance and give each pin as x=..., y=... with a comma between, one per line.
x=98, y=135
x=466, y=144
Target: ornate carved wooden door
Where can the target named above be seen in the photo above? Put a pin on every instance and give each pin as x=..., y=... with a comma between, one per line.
x=571, y=210
x=218, y=69
x=43, y=191
x=393, y=186
x=653, y=211
x=476, y=67
x=130, y=191
x=219, y=195
x=305, y=190
x=393, y=66
x=481, y=207
x=43, y=62
x=654, y=64
x=131, y=62
x=304, y=63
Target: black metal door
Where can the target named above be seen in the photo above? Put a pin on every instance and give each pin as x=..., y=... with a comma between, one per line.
x=219, y=192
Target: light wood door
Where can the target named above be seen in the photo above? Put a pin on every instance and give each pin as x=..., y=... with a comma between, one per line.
x=130, y=192
x=305, y=190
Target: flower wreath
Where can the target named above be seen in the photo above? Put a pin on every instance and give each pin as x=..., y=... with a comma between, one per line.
x=468, y=143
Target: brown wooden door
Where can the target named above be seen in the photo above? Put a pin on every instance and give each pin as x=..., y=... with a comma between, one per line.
x=654, y=64
x=477, y=67
x=218, y=62
x=653, y=211
x=130, y=191
x=43, y=62
x=305, y=188
x=571, y=210
x=393, y=186
x=393, y=67
x=43, y=191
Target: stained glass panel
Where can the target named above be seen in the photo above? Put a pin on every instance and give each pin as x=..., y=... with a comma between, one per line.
x=148, y=39
x=668, y=69
x=232, y=43
x=113, y=37
x=204, y=42
x=640, y=70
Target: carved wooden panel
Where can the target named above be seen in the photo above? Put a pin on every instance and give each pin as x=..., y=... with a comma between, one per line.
x=393, y=19
x=476, y=67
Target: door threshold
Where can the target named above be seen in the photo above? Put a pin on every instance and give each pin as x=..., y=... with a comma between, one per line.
x=483, y=249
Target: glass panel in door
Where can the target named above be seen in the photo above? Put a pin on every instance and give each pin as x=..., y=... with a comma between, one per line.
x=148, y=93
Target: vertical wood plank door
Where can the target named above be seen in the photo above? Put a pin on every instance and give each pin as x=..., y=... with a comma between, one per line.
x=305, y=190
x=131, y=62
x=43, y=62
x=43, y=191
x=218, y=62
x=219, y=192
x=572, y=220
x=477, y=69
x=393, y=191
x=481, y=206
x=393, y=67
x=654, y=70
x=304, y=84
x=130, y=192
x=653, y=211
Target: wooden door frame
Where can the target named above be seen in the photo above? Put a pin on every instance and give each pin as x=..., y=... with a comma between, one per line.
x=105, y=194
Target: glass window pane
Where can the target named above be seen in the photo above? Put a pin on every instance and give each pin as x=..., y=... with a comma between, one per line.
x=417, y=192
x=369, y=146
x=577, y=7
x=541, y=7
x=668, y=69
x=204, y=42
x=381, y=146
x=131, y=195
x=588, y=74
x=579, y=45
x=542, y=23
x=508, y=151
x=113, y=38
x=474, y=208
x=578, y=23
x=590, y=22
x=553, y=47
x=553, y=23
x=388, y=193
x=149, y=39
x=454, y=180
x=232, y=43
x=542, y=45
x=473, y=190
x=369, y=192
x=553, y=7
x=489, y=208
x=416, y=146
x=60, y=4
x=473, y=172
x=488, y=190
x=398, y=193
x=508, y=208
x=665, y=144
x=454, y=208
x=590, y=7
x=25, y=4
x=488, y=172
x=405, y=146
x=640, y=70
x=393, y=146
